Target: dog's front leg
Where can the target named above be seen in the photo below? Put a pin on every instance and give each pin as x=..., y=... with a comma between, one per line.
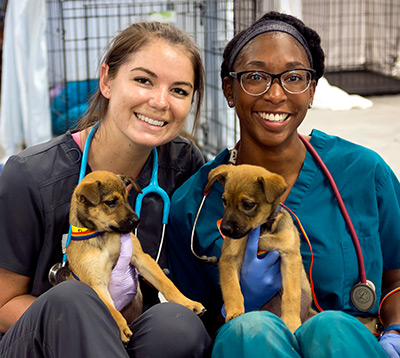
x=291, y=267
x=93, y=267
x=229, y=276
x=152, y=272
x=104, y=295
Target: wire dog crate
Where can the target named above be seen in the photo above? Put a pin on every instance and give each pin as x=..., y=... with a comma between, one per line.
x=79, y=30
x=361, y=39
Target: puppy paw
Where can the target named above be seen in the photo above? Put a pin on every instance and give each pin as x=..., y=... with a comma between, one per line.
x=196, y=307
x=233, y=309
x=232, y=315
x=126, y=334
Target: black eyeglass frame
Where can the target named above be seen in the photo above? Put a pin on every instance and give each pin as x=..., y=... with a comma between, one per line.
x=238, y=76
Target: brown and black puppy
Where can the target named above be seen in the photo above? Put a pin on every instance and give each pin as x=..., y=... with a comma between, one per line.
x=251, y=198
x=100, y=203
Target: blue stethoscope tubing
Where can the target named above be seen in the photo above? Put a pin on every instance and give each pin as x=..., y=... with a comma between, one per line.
x=153, y=187
x=82, y=173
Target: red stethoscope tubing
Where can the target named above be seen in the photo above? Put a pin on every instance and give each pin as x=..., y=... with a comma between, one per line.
x=346, y=216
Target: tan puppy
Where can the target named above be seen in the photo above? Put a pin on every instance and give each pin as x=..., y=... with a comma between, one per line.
x=100, y=203
x=251, y=199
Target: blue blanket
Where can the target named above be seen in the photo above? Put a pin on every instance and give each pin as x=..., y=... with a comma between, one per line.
x=70, y=104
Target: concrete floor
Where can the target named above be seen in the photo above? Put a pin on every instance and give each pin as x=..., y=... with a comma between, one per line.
x=377, y=127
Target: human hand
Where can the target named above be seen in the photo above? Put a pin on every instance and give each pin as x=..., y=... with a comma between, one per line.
x=260, y=278
x=124, y=277
x=390, y=342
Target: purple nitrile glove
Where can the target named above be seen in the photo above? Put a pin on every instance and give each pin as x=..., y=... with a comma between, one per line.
x=260, y=278
x=390, y=342
x=124, y=277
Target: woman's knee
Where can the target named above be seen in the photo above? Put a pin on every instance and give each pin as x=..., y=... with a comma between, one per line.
x=255, y=334
x=325, y=322
x=256, y=322
x=68, y=299
x=67, y=292
x=169, y=330
x=336, y=334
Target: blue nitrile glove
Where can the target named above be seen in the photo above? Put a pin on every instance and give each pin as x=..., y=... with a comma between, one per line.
x=390, y=342
x=124, y=277
x=260, y=278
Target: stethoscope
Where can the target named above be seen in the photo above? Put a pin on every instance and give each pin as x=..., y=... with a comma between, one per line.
x=59, y=272
x=362, y=295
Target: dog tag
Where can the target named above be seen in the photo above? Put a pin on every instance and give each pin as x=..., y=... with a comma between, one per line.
x=363, y=296
x=58, y=273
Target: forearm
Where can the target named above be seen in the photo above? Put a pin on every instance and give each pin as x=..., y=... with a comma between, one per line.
x=11, y=311
x=390, y=309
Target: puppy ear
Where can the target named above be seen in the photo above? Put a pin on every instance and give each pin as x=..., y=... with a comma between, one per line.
x=129, y=182
x=273, y=186
x=89, y=192
x=219, y=173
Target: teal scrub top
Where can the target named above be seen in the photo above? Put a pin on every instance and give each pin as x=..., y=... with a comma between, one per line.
x=370, y=191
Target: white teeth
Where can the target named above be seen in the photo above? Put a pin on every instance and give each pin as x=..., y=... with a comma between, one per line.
x=279, y=117
x=150, y=120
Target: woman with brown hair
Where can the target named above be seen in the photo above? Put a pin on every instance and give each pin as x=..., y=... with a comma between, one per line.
x=149, y=78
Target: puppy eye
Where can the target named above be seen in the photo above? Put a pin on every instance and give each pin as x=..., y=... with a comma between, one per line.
x=224, y=202
x=248, y=205
x=111, y=203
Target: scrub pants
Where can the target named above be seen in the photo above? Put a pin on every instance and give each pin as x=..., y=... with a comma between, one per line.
x=70, y=320
x=328, y=334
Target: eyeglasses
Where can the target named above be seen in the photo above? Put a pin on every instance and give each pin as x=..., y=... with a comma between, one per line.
x=256, y=83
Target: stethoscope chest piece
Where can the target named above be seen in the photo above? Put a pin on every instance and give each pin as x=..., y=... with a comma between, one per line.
x=58, y=273
x=363, y=296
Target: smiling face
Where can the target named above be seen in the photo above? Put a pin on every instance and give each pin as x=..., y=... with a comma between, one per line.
x=151, y=95
x=273, y=117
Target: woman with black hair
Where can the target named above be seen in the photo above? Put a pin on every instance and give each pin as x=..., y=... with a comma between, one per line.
x=269, y=75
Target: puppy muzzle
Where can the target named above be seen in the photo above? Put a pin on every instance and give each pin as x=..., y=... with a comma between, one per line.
x=127, y=225
x=232, y=231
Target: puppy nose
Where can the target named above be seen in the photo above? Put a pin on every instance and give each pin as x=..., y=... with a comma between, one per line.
x=134, y=221
x=230, y=230
x=128, y=225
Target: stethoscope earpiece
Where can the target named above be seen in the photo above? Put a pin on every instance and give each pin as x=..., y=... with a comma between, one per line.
x=58, y=273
